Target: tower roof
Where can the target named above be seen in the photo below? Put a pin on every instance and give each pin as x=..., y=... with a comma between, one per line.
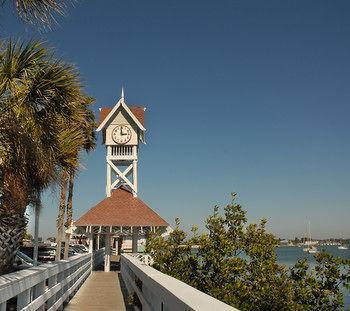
x=121, y=209
x=120, y=105
x=137, y=111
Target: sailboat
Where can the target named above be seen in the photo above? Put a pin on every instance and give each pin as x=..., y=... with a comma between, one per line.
x=311, y=249
x=342, y=245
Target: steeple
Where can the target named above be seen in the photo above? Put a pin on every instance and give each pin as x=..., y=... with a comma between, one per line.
x=122, y=95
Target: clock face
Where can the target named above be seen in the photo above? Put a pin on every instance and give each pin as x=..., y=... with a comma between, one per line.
x=121, y=134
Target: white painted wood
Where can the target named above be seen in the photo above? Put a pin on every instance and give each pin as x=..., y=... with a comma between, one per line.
x=134, y=242
x=36, y=234
x=39, y=290
x=120, y=174
x=109, y=174
x=159, y=289
x=134, y=165
x=23, y=299
x=126, y=173
x=120, y=105
x=91, y=242
x=107, y=264
x=63, y=278
x=119, y=155
x=52, y=281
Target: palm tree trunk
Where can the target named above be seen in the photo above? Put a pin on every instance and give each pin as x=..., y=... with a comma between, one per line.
x=60, y=217
x=69, y=213
x=12, y=230
x=12, y=218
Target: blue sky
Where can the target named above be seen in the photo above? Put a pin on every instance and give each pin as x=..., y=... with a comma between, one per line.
x=245, y=96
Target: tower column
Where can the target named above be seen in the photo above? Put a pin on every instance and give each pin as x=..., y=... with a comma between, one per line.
x=109, y=173
x=134, y=170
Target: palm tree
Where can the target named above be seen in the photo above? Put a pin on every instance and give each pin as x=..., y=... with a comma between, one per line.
x=81, y=138
x=39, y=99
x=86, y=128
x=39, y=12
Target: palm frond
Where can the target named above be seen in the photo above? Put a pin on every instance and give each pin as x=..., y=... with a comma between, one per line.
x=45, y=120
x=41, y=12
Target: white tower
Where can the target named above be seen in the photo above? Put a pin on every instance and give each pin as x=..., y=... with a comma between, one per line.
x=122, y=129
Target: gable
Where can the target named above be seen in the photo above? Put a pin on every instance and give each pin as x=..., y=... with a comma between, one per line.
x=137, y=111
x=121, y=105
x=121, y=117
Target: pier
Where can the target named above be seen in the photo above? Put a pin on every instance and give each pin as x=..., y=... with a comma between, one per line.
x=117, y=276
x=79, y=284
x=101, y=291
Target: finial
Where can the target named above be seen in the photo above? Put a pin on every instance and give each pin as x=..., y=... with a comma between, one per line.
x=122, y=96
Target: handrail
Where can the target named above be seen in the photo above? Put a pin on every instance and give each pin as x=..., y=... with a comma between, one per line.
x=48, y=286
x=158, y=291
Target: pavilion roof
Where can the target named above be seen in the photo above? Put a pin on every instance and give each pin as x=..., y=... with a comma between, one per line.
x=121, y=209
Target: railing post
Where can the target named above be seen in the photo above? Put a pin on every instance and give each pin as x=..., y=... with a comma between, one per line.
x=51, y=283
x=60, y=277
x=3, y=306
x=23, y=299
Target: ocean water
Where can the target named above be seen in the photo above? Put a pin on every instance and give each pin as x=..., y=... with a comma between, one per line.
x=290, y=255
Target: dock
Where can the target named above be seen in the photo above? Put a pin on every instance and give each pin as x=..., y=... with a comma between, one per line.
x=101, y=291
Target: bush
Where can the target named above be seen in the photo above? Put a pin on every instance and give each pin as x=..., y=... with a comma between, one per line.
x=236, y=263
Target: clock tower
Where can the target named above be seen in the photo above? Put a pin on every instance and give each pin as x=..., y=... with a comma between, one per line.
x=122, y=218
x=122, y=129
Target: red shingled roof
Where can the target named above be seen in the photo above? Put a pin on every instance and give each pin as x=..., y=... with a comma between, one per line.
x=138, y=112
x=121, y=209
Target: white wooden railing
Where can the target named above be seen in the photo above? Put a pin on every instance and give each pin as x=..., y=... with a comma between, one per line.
x=122, y=150
x=158, y=291
x=47, y=286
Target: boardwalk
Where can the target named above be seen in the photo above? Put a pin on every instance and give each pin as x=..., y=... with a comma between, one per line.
x=101, y=291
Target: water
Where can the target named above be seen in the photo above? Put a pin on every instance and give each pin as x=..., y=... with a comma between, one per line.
x=290, y=255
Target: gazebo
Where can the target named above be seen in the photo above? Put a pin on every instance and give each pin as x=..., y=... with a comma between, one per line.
x=122, y=218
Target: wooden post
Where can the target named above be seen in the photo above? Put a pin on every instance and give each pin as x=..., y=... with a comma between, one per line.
x=98, y=241
x=39, y=289
x=109, y=173
x=91, y=242
x=52, y=281
x=134, y=171
x=36, y=234
x=107, y=253
x=134, y=241
x=23, y=299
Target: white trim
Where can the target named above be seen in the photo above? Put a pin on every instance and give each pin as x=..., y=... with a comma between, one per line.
x=120, y=103
x=121, y=175
x=159, y=289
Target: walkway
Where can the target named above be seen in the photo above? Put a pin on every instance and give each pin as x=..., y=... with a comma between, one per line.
x=101, y=292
